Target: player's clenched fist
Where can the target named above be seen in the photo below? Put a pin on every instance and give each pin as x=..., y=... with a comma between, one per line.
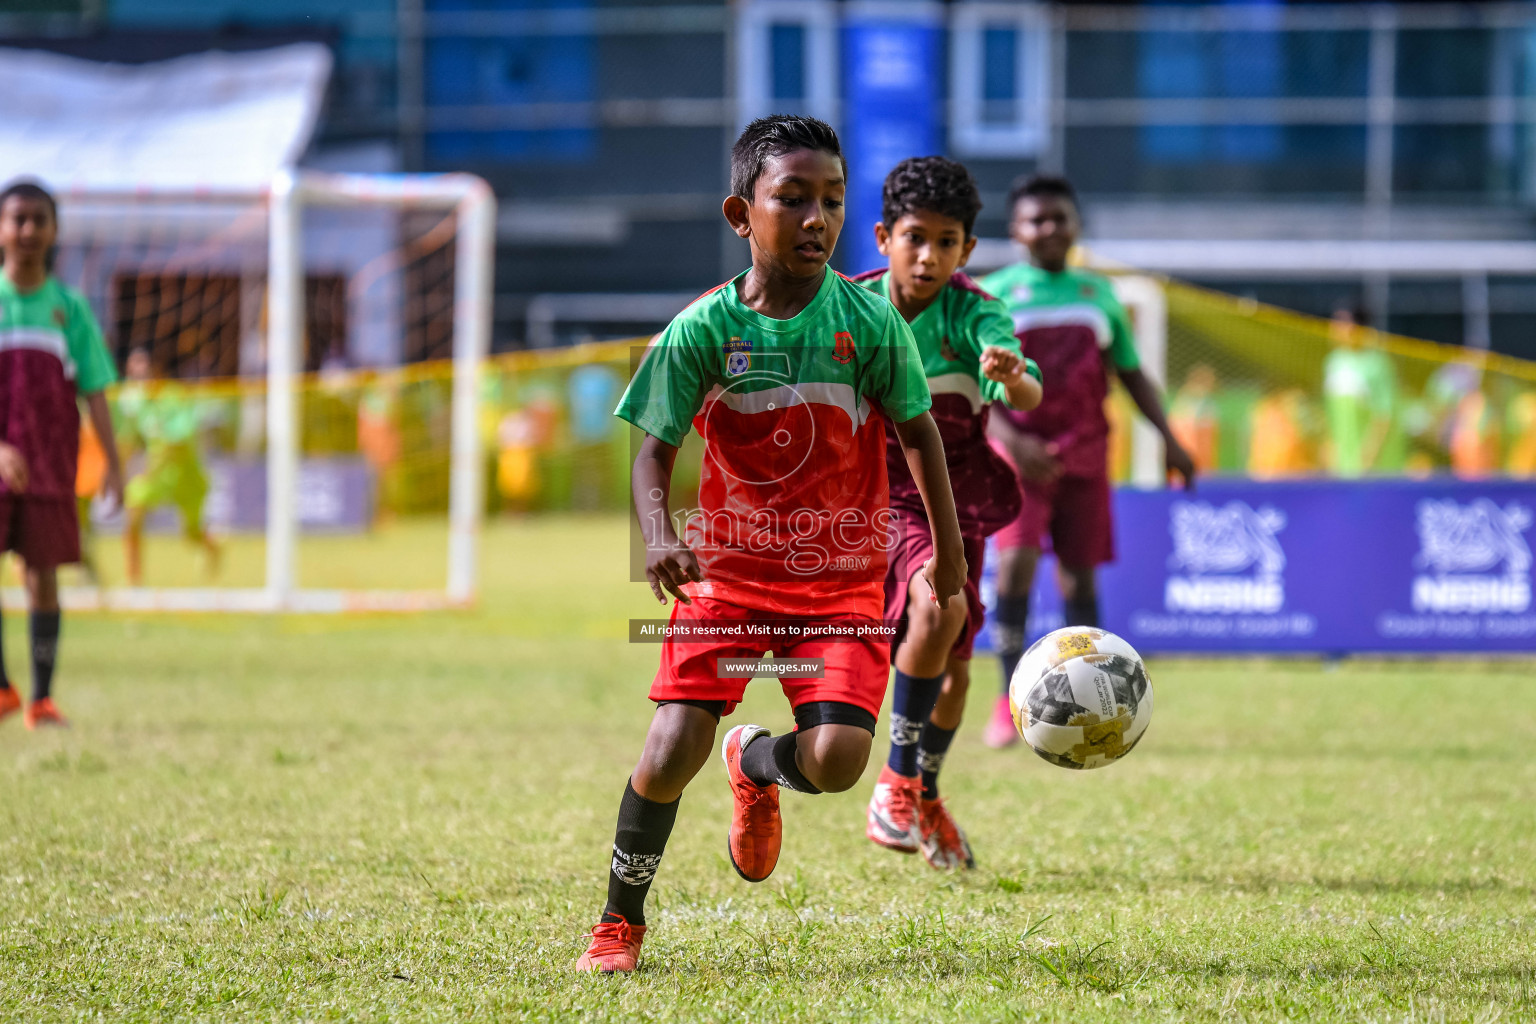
x=945, y=576
x=669, y=565
x=1011, y=370
x=13, y=468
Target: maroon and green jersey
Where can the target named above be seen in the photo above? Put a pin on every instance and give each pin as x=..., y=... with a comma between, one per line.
x=1070, y=323
x=951, y=334
x=51, y=352
x=794, y=502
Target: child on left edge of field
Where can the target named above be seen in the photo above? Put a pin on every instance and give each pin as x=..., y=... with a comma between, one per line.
x=51, y=354
x=971, y=359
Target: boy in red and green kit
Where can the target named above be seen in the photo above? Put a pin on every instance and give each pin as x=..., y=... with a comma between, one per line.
x=790, y=373
x=51, y=355
x=1069, y=321
x=971, y=359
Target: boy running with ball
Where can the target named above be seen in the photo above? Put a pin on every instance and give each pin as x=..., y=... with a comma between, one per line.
x=1069, y=321
x=790, y=373
x=51, y=353
x=971, y=359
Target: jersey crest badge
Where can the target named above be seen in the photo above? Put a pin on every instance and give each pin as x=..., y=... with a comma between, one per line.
x=59, y=319
x=842, y=348
x=738, y=357
x=1022, y=293
x=947, y=351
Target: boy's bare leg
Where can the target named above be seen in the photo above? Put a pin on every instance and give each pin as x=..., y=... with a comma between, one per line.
x=680, y=740
x=832, y=757
x=133, y=546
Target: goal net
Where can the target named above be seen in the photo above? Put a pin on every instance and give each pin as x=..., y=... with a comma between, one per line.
x=310, y=359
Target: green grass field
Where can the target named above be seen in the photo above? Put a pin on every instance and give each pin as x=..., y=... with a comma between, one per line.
x=408, y=818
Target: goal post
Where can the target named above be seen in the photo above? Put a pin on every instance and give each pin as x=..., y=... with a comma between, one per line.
x=471, y=199
x=287, y=310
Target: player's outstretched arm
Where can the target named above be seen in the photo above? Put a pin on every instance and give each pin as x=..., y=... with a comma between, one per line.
x=668, y=562
x=924, y=449
x=101, y=419
x=1145, y=394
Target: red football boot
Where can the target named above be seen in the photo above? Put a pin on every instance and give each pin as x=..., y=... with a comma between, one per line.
x=756, y=829
x=42, y=714
x=10, y=701
x=943, y=842
x=892, y=818
x=615, y=947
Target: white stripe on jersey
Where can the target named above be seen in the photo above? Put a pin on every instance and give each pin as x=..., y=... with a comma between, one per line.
x=957, y=384
x=39, y=339
x=1076, y=314
x=786, y=395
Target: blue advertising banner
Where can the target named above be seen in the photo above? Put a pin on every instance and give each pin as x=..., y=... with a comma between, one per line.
x=1329, y=567
x=891, y=54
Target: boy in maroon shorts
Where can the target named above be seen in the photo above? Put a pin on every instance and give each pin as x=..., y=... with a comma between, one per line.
x=1069, y=321
x=789, y=373
x=51, y=353
x=971, y=359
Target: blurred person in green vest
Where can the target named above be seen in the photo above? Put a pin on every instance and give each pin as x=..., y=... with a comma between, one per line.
x=1361, y=401
x=163, y=419
x=1520, y=428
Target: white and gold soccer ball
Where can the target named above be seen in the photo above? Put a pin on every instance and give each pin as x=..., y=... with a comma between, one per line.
x=1081, y=697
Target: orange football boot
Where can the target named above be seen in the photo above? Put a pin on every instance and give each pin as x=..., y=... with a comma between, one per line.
x=10, y=701
x=42, y=714
x=615, y=947
x=891, y=821
x=756, y=829
x=943, y=842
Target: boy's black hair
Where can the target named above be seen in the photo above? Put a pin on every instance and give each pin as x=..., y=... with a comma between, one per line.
x=1042, y=185
x=28, y=189
x=932, y=184
x=773, y=136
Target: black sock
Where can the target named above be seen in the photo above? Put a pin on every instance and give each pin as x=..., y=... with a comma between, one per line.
x=1083, y=611
x=638, y=843
x=912, y=701
x=930, y=756
x=5, y=681
x=45, y=650
x=770, y=761
x=1008, y=632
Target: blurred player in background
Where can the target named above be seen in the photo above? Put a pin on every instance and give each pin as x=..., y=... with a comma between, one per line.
x=971, y=359
x=789, y=373
x=90, y=474
x=162, y=418
x=51, y=354
x=1362, y=402
x=1070, y=323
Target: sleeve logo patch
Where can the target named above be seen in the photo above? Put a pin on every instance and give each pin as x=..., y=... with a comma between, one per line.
x=843, y=348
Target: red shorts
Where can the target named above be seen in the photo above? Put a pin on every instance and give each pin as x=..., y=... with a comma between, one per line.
x=1074, y=511
x=856, y=669
x=914, y=546
x=45, y=532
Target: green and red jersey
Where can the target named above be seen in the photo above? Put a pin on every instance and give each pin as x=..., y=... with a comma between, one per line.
x=951, y=334
x=794, y=501
x=51, y=352
x=1070, y=323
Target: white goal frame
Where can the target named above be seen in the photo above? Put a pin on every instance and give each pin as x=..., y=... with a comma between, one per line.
x=289, y=194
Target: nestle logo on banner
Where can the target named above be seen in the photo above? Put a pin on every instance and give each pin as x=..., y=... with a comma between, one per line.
x=1229, y=557
x=1464, y=548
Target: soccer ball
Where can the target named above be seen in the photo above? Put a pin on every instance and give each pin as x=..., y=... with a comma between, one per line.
x=1081, y=697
